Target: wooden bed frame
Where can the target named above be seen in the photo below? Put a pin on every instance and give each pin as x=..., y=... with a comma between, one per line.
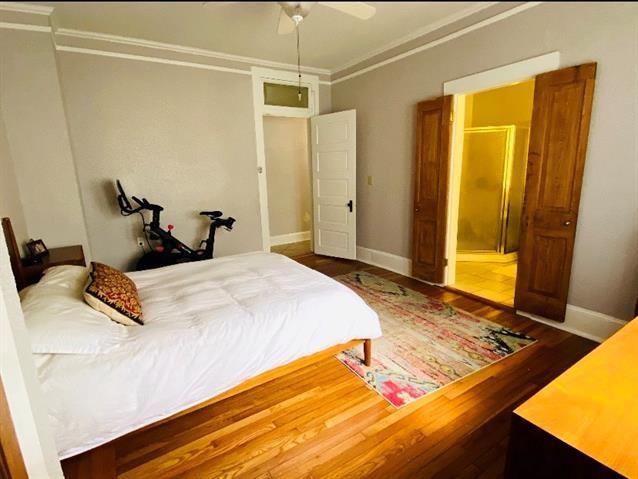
x=100, y=462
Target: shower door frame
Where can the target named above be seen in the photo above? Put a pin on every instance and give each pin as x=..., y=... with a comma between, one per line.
x=505, y=184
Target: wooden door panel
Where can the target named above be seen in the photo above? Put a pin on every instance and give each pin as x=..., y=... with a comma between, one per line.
x=425, y=236
x=556, y=160
x=548, y=256
x=428, y=178
x=561, y=147
x=430, y=188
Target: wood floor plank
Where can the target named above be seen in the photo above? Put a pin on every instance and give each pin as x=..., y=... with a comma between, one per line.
x=322, y=421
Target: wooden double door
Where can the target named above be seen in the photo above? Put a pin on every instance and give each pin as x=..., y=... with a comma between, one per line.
x=556, y=160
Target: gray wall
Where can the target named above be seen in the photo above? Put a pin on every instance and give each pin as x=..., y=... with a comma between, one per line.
x=10, y=203
x=287, y=174
x=38, y=139
x=605, y=270
x=181, y=137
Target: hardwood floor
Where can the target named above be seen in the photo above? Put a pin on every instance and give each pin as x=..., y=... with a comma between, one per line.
x=323, y=422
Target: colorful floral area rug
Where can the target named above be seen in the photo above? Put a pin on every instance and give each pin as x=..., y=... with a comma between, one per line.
x=426, y=343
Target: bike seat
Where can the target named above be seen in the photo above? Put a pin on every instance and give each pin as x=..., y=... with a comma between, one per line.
x=211, y=214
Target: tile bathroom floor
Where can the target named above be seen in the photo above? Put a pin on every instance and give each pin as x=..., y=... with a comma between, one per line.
x=493, y=281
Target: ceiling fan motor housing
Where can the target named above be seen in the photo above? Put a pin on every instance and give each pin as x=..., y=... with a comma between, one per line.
x=297, y=11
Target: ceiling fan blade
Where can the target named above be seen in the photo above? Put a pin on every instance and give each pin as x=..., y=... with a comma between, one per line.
x=286, y=25
x=357, y=9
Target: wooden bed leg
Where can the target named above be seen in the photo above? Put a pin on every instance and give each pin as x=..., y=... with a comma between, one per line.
x=367, y=352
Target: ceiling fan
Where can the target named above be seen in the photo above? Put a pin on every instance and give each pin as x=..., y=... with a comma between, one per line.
x=293, y=13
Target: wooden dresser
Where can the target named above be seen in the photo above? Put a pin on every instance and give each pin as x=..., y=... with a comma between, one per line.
x=584, y=423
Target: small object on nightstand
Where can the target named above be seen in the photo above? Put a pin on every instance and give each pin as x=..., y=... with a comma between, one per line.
x=37, y=250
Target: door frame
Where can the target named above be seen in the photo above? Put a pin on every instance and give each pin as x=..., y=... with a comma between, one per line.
x=460, y=87
x=283, y=77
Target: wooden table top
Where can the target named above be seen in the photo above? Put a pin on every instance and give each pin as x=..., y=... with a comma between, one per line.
x=593, y=406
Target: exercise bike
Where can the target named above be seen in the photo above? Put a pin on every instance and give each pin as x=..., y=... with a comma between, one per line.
x=170, y=250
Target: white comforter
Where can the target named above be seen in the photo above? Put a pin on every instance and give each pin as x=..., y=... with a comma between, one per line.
x=209, y=326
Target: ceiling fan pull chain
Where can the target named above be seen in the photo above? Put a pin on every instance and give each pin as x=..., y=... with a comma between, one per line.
x=298, y=64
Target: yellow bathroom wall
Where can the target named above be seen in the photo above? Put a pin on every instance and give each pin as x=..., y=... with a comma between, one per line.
x=509, y=105
x=482, y=175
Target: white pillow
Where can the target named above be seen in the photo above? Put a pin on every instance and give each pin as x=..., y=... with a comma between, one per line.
x=60, y=322
x=67, y=276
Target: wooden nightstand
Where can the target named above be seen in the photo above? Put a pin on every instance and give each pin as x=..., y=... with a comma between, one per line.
x=26, y=272
x=73, y=255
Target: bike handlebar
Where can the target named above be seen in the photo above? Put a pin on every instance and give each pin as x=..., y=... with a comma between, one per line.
x=226, y=223
x=127, y=209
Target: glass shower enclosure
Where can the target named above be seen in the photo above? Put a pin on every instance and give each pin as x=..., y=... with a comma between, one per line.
x=492, y=187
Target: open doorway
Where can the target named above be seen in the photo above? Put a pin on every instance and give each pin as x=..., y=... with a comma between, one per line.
x=551, y=186
x=288, y=184
x=491, y=161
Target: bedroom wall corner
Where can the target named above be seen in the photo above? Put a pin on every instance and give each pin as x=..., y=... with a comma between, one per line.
x=10, y=202
x=38, y=138
x=325, y=98
x=22, y=389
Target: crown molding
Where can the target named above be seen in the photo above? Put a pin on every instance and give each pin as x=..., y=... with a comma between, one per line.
x=25, y=26
x=431, y=27
x=26, y=8
x=144, y=58
x=138, y=42
x=439, y=41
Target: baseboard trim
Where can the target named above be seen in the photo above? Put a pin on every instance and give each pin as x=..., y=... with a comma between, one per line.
x=289, y=238
x=579, y=321
x=583, y=322
x=389, y=261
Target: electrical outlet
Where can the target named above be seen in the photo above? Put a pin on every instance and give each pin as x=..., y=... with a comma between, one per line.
x=140, y=241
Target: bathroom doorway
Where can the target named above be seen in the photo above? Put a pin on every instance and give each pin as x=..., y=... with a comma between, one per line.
x=491, y=164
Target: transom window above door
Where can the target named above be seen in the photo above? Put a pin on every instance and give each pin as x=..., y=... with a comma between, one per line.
x=278, y=94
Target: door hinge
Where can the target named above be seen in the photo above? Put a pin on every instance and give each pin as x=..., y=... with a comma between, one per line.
x=445, y=262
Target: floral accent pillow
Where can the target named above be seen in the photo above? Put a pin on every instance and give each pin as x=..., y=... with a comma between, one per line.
x=111, y=292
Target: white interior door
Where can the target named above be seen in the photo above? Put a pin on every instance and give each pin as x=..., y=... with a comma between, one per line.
x=334, y=183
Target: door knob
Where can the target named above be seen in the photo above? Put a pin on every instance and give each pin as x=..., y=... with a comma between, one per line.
x=567, y=223
x=349, y=205
x=416, y=210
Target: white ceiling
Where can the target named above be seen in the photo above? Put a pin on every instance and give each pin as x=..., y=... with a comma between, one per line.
x=329, y=39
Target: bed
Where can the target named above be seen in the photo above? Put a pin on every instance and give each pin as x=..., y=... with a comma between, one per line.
x=210, y=327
